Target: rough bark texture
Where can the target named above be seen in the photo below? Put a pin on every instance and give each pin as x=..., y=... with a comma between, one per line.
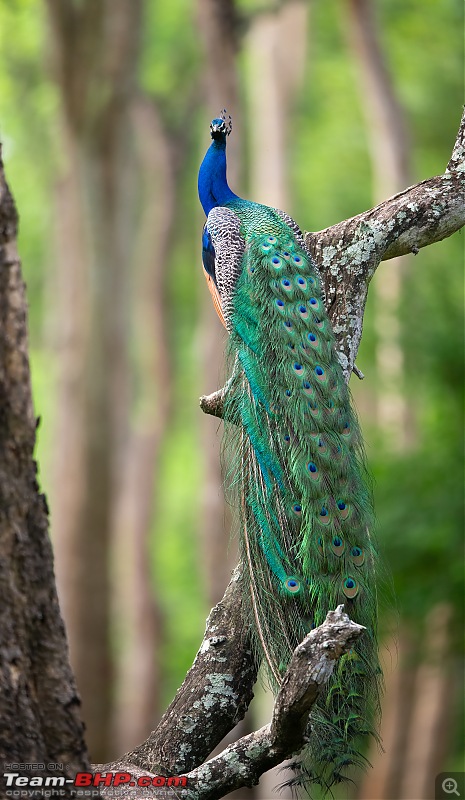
x=39, y=704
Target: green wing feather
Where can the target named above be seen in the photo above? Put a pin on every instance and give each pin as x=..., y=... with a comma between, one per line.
x=297, y=468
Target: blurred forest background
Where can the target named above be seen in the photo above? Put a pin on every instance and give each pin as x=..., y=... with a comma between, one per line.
x=105, y=108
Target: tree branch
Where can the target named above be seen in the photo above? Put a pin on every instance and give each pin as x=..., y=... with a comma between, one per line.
x=242, y=763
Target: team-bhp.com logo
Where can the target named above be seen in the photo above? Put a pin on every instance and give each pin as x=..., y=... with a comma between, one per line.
x=18, y=785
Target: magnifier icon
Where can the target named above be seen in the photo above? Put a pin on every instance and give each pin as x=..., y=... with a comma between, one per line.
x=449, y=786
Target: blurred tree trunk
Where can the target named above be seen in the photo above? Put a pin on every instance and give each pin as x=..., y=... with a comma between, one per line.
x=390, y=157
x=274, y=78
x=94, y=45
x=218, y=27
x=139, y=617
x=434, y=695
x=382, y=781
x=39, y=704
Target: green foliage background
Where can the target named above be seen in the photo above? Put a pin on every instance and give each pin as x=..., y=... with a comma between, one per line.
x=419, y=496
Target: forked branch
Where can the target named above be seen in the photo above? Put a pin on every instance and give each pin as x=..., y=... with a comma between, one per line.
x=242, y=763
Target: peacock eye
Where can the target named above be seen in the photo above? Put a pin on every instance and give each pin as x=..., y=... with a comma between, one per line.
x=350, y=588
x=292, y=585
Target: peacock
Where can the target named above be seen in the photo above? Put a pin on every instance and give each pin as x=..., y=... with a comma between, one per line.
x=294, y=454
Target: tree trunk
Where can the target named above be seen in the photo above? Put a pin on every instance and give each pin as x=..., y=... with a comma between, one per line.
x=140, y=620
x=39, y=704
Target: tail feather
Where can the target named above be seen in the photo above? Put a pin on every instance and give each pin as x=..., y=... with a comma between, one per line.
x=297, y=467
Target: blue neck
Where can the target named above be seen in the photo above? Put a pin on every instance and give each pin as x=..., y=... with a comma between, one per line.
x=213, y=185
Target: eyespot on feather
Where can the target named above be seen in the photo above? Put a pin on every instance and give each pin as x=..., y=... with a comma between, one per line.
x=297, y=509
x=313, y=470
x=343, y=509
x=307, y=388
x=350, y=587
x=324, y=516
x=358, y=556
x=292, y=585
x=338, y=546
x=300, y=282
x=276, y=262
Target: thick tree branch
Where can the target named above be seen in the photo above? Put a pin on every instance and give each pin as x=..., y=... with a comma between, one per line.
x=242, y=763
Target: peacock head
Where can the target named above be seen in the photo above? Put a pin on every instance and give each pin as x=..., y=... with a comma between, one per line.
x=221, y=127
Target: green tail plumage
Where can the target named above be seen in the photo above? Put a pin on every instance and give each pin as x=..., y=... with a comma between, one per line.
x=296, y=464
